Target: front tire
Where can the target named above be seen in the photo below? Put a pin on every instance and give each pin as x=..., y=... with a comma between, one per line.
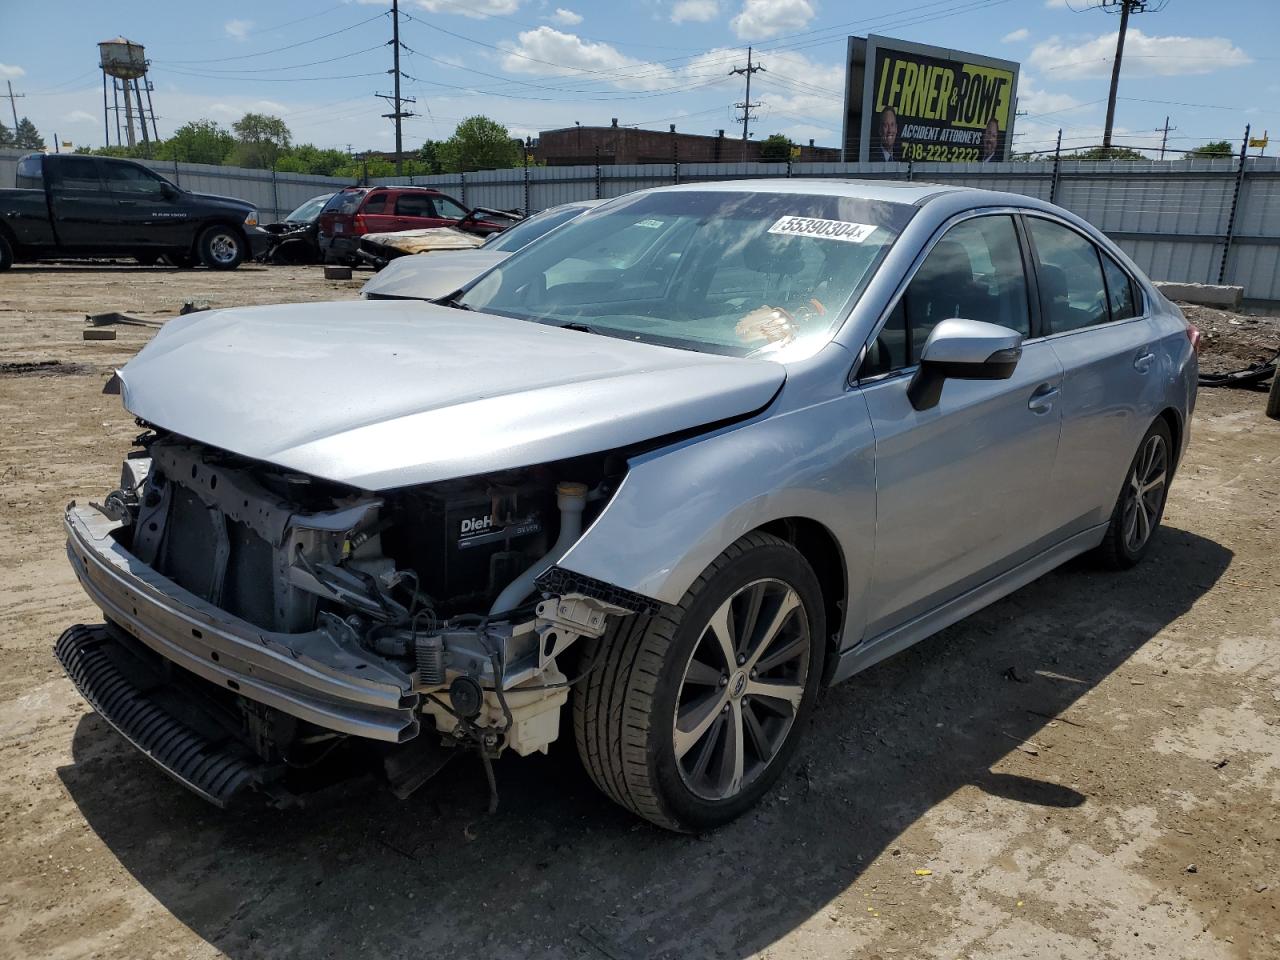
x=221, y=248
x=690, y=715
x=1140, y=506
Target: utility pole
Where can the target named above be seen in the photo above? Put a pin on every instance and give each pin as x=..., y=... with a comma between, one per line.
x=746, y=106
x=1164, y=139
x=1125, y=8
x=13, y=106
x=400, y=113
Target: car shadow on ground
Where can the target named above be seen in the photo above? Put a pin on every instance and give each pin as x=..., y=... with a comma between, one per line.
x=560, y=872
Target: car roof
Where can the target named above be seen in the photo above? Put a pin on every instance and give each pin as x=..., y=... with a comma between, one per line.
x=890, y=191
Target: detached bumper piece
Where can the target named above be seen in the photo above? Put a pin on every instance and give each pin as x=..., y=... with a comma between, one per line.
x=114, y=683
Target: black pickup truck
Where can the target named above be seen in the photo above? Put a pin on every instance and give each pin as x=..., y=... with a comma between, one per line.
x=73, y=206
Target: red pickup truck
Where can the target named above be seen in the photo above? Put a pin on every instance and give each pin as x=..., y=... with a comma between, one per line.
x=355, y=211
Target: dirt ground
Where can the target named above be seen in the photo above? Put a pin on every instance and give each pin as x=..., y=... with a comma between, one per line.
x=1089, y=768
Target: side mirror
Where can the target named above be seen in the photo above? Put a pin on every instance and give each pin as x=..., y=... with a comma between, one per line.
x=963, y=350
x=168, y=190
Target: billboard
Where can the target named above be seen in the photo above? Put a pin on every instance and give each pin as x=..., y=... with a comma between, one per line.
x=911, y=102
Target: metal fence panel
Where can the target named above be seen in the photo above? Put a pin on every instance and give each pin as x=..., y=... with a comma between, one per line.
x=1172, y=216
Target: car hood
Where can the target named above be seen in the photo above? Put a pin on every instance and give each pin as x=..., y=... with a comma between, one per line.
x=225, y=201
x=382, y=394
x=429, y=276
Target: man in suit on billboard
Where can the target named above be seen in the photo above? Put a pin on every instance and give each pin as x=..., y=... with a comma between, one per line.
x=887, y=148
x=990, y=142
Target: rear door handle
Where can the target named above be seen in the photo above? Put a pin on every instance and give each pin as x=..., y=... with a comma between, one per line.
x=1142, y=362
x=1041, y=401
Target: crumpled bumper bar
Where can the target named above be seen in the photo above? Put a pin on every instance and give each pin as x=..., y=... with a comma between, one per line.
x=305, y=675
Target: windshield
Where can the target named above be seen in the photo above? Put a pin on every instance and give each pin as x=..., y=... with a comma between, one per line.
x=345, y=201
x=309, y=210
x=737, y=273
x=527, y=231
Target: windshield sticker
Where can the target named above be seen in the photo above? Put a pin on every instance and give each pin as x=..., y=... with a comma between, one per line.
x=825, y=229
x=650, y=224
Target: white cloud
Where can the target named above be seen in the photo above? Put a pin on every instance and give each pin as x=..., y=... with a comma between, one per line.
x=550, y=52
x=237, y=29
x=1058, y=4
x=477, y=9
x=762, y=19
x=566, y=17
x=1144, y=55
x=9, y=71
x=1015, y=35
x=1036, y=102
x=80, y=116
x=695, y=11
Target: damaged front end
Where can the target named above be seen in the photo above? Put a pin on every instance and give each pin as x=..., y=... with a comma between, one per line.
x=258, y=620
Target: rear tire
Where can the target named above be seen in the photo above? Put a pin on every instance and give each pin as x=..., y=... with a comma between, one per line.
x=672, y=730
x=6, y=253
x=1140, y=506
x=221, y=248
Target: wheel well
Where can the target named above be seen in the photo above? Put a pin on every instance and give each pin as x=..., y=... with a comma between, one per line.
x=1174, y=421
x=820, y=547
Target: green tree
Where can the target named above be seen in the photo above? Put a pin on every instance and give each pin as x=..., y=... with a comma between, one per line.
x=1105, y=153
x=200, y=141
x=429, y=157
x=306, y=158
x=479, y=143
x=1218, y=148
x=260, y=140
x=27, y=137
x=6, y=136
x=775, y=148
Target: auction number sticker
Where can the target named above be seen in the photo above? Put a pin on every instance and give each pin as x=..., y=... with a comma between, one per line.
x=844, y=230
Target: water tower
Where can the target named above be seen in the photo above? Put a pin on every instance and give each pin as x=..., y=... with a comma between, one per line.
x=125, y=63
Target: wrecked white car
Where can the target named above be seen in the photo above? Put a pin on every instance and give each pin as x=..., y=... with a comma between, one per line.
x=650, y=483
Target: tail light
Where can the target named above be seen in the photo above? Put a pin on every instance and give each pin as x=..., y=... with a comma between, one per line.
x=1196, y=338
x=359, y=225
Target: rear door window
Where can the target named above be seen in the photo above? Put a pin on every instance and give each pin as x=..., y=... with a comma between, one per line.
x=79, y=174
x=377, y=203
x=414, y=205
x=1122, y=296
x=1073, y=294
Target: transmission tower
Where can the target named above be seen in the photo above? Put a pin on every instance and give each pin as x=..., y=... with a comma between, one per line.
x=1125, y=8
x=746, y=106
x=399, y=113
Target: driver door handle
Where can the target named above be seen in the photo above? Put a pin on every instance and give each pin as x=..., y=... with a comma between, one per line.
x=1142, y=362
x=1041, y=401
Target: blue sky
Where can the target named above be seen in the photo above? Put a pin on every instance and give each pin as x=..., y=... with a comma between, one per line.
x=540, y=64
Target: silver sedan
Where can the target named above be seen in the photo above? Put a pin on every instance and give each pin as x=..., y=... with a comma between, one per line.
x=651, y=482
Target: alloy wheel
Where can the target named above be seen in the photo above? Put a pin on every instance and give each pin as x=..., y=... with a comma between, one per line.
x=1144, y=493
x=224, y=248
x=741, y=689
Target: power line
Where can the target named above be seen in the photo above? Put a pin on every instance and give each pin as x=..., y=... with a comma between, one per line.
x=289, y=46
x=399, y=113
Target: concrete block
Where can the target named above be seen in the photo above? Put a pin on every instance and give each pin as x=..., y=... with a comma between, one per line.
x=99, y=333
x=1222, y=296
x=337, y=273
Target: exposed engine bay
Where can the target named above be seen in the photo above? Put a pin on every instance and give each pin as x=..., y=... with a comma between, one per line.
x=446, y=592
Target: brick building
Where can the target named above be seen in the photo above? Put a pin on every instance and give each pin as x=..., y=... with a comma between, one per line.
x=578, y=145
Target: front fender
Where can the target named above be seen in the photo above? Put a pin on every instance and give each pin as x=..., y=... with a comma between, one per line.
x=679, y=507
